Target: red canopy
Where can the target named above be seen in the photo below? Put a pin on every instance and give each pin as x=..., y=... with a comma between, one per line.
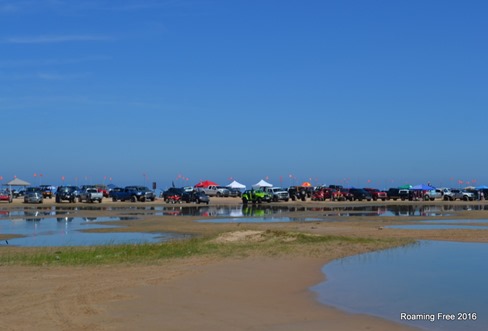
x=206, y=183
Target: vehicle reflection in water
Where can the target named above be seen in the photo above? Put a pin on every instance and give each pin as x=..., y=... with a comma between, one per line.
x=259, y=220
x=70, y=231
x=250, y=210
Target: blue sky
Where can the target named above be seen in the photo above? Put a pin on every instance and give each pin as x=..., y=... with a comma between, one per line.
x=363, y=93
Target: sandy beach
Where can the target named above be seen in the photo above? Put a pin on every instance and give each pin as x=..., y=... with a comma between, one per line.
x=251, y=293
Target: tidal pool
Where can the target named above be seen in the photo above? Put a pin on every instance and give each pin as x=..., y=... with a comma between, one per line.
x=239, y=210
x=438, y=227
x=259, y=220
x=418, y=285
x=473, y=224
x=69, y=231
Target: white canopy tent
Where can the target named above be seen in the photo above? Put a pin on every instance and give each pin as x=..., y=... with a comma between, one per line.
x=18, y=182
x=236, y=185
x=262, y=183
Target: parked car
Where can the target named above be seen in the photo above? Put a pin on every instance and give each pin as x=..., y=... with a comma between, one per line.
x=142, y=193
x=455, y=194
x=377, y=194
x=33, y=195
x=297, y=193
x=360, y=194
x=5, y=196
x=133, y=194
x=234, y=192
x=103, y=189
x=344, y=194
x=47, y=191
x=172, y=191
x=67, y=193
x=90, y=195
x=255, y=196
x=277, y=193
x=393, y=194
x=114, y=192
x=406, y=194
x=195, y=196
x=432, y=195
x=214, y=190
x=18, y=194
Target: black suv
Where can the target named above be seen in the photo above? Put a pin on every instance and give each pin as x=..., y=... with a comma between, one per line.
x=393, y=194
x=142, y=193
x=297, y=193
x=195, y=196
x=172, y=191
x=360, y=194
x=68, y=193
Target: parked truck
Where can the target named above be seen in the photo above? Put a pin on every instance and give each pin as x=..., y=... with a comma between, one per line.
x=255, y=196
x=90, y=195
x=277, y=193
x=133, y=194
x=214, y=191
x=432, y=195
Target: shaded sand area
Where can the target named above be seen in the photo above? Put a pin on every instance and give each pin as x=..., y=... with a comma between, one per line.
x=249, y=292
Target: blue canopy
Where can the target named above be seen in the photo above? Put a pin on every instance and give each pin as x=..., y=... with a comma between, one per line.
x=422, y=187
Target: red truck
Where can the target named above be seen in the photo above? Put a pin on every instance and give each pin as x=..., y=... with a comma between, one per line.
x=377, y=194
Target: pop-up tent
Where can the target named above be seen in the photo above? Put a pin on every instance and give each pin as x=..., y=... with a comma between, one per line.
x=236, y=185
x=18, y=182
x=261, y=184
x=206, y=183
x=422, y=187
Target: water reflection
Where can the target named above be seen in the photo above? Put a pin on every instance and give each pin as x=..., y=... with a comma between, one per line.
x=69, y=231
x=344, y=210
x=259, y=220
x=427, y=278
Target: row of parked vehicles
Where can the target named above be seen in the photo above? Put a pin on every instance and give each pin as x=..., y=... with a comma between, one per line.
x=96, y=193
x=339, y=193
x=352, y=194
x=321, y=193
x=86, y=193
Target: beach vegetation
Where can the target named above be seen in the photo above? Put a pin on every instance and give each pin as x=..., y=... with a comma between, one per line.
x=236, y=244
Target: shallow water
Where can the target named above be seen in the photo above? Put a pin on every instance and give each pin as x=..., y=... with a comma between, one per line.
x=259, y=220
x=424, y=279
x=438, y=227
x=69, y=231
x=473, y=224
x=343, y=210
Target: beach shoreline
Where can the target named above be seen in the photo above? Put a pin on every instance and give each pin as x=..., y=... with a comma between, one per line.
x=252, y=293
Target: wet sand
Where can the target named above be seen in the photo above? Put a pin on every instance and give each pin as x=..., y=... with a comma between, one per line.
x=254, y=293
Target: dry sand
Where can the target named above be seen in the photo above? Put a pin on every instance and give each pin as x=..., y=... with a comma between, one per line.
x=256, y=293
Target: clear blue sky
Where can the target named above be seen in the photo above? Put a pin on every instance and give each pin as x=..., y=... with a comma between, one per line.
x=365, y=93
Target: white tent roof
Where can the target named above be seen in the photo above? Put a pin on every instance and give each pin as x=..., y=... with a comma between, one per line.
x=262, y=183
x=236, y=184
x=18, y=182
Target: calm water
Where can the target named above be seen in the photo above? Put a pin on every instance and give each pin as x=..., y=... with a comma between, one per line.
x=259, y=220
x=438, y=227
x=344, y=210
x=425, y=279
x=473, y=224
x=68, y=231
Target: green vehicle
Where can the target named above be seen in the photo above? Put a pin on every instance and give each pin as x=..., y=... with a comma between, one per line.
x=255, y=196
